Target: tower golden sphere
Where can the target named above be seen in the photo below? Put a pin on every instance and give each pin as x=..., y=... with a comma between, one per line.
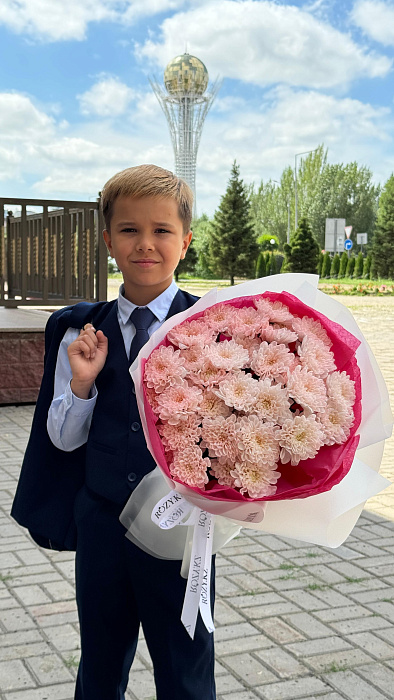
x=185, y=74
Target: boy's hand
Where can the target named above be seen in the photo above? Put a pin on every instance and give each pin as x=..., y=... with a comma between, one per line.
x=87, y=355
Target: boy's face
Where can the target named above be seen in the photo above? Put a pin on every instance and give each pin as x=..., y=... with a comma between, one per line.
x=147, y=242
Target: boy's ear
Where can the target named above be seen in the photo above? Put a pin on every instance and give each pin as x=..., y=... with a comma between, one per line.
x=107, y=240
x=185, y=244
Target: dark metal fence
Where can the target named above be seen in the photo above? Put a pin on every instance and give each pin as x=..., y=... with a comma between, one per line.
x=55, y=256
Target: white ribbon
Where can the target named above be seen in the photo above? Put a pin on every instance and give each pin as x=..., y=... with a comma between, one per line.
x=174, y=510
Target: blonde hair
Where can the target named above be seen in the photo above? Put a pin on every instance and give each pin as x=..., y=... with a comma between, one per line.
x=147, y=181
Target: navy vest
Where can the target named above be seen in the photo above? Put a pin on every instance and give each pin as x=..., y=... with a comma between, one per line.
x=115, y=458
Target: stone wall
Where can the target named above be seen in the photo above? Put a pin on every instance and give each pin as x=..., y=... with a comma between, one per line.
x=21, y=365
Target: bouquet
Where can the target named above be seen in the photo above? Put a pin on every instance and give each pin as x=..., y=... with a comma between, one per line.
x=253, y=407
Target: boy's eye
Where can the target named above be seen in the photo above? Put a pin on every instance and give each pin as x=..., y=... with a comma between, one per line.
x=162, y=230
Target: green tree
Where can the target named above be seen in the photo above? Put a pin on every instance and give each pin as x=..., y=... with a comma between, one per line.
x=261, y=269
x=268, y=242
x=383, y=241
x=367, y=267
x=273, y=266
x=326, y=267
x=358, y=268
x=343, y=265
x=350, y=266
x=335, y=265
x=201, y=228
x=233, y=248
x=320, y=263
x=302, y=254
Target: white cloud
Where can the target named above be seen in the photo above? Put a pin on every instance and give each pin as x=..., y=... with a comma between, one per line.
x=109, y=97
x=51, y=159
x=264, y=43
x=376, y=19
x=57, y=20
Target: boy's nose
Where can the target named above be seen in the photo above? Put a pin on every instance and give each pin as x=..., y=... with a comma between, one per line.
x=145, y=243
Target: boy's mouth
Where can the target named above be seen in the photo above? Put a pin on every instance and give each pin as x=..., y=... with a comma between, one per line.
x=145, y=262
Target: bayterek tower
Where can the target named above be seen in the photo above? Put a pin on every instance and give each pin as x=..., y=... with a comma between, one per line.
x=185, y=102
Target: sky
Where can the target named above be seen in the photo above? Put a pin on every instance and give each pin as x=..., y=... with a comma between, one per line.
x=77, y=106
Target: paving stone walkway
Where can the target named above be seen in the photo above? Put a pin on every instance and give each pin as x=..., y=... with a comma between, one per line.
x=293, y=621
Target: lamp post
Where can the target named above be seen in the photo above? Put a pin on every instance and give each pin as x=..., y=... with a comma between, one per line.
x=295, y=182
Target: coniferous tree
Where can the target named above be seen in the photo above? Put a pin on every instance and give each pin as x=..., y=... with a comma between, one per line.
x=367, y=267
x=233, y=248
x=320, y=263
x=273, y=267
x=303, y=252
x=335, y=265
x=343, y=264
x=383, y=241
x=326, y=267
x=260, y=266
x=350, y=266
x=358, y=268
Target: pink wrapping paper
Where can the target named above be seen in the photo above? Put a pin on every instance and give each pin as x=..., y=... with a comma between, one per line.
x=310, y=477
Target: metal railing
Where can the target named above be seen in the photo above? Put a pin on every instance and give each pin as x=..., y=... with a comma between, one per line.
x=55, y=256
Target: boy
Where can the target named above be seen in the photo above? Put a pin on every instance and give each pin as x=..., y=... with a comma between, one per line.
x=93, y=415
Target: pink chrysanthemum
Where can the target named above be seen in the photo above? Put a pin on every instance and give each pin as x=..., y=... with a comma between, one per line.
x=176, y=437
x=239, y=391
x=307, y=390
x=177, y=402
x=191, y=333
x=258, y=442
x=272, y=361
x=163, y=368
x=192, y=358
x=228, y=355
x=152, y=399
x=219, y=436
x=221, y=469
x=272, y=402
x=316, y=357
x=250, y=344
x=281, y=334
x=247, y=322
x=275, y=311
x=254, y=480
x=211, y=406
x=339, y=385
x=208, y=374
x=308, y=326
x=219, y=317
x=190, y=467
x=336, y=422
x=300, y=438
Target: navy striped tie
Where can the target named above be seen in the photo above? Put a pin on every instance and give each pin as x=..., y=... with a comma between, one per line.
x=142, y=318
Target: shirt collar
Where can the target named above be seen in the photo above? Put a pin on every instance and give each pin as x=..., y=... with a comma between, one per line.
x=159, y=306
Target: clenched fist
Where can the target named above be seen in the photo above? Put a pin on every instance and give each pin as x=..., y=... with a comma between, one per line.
x=87, y=355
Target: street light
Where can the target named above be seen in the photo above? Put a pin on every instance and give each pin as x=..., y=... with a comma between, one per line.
x=304, y=153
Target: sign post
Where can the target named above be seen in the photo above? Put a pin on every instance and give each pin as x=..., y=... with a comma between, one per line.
x=335, y=235
x=362, y=239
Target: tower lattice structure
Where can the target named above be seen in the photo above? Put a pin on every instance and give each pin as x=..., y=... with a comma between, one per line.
x=185, y=102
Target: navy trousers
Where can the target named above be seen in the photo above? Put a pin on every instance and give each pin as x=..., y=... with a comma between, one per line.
x=119, y=587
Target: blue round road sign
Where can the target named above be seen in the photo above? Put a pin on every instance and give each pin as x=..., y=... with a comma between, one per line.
x=348, y=245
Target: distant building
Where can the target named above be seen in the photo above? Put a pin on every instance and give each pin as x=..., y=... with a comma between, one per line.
x=185, y=103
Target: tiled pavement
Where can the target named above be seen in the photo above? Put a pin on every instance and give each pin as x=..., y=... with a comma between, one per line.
x=293, y=621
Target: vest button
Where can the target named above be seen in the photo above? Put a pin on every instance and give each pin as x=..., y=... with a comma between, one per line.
x=135, y=426
x=131, y=477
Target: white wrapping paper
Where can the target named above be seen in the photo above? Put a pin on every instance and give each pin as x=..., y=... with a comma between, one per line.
x=325, y=519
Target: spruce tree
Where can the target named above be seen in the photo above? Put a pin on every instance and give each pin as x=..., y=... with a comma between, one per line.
x=350, y=266
x=343, y=264
x=335, y=265
x=358, y=268
x=326, y=267
x=383, y=241
x=188, y=263
x=233, y=248
x=320, y=263
x=260, y=266
x=367, y=267
x=273, y=267
x=303, y=252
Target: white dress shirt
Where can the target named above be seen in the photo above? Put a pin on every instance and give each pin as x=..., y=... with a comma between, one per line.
x=69, y=417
